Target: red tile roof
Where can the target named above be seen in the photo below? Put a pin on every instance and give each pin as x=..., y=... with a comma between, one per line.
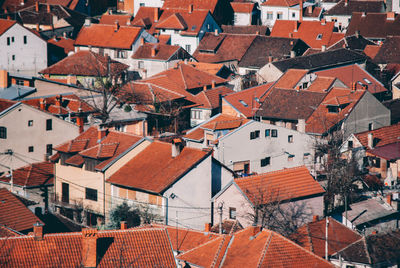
x=322, y=120
x=312, y=236
x=132, y=247
x=32, y=175
x=147, y=17
x=281, y=3
x=87, y=145
x=162, y=51
x=212, y=68
x=290, y=78
x=314, y=33
x=252, y=248
x=7, y=232
x=188, y=22
x=85, y=63
x=5, y=25
x=65, y=43
x=321, y=84
x=228, y=227
x=184, y=4
x=371, y=50
x=5, y=104
x=109, y=19
x=212, y=97
x=242, y=7
x=61, y=105
x=350, y=74
x=280, y=185
x=154, y=169
x=249, y=98
x=14, y=214
x=382, y=136
x=390, y=152
x=106, y=36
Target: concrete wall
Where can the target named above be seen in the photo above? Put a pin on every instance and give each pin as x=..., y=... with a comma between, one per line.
x=146, y=3
x=44, y=88
x=228, y=109
x=29, y=58
x=20, y=136
x=242, y=19
x=339, y=20
x=287, y=14
x=368, y=110
x=268, y=73
x=237, y=146
x=198, y=116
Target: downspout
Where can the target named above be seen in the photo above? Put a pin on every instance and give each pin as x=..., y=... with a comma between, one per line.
x=166, y=210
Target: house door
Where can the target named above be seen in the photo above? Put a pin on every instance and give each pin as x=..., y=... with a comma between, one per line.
x=65, y=192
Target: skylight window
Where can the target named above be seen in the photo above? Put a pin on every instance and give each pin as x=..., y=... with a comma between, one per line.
x=193, y=27
x=367, y=81
x=243, y=103
x=319, y=36
x=257, y=99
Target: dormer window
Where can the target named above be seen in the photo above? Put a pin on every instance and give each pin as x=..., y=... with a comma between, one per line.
x=243, y=103
x=319, y=36
x=333, y=109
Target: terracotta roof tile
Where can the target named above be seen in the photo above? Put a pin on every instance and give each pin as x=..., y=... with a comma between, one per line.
x=382, y=136
x=371, y=50
x=197, y=4
x=197, y=134
x=321, y=84
x=322, y=120
x=390, y=152
x=249, y=29
x=188, y=22
x=212, y=97
x=281, y=3
x=85, y=63
x=8, y=232
x=14, y=214
x=347, y=8
x=242, y=7
x=290, y=78
x=373, y=25
x=223, y=121
x=245, y=101
x=154, y=169
x=147, y=248
x=5, y=104
x=162, y=51
x=389, y=51
x=284, y=184
x=5, y=25
x=65, y=43
x=228, y=227
x=32, y=175
x=315, y=12
x=105, y=36
x=358, y=75
x=109, y=19
x=252, y=248
x=312, y=236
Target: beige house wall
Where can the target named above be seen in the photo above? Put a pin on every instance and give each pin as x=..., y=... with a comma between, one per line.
x=229, y=110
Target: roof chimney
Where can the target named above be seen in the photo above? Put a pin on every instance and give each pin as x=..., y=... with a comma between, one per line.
x=270, y=58
x=357, y=33
x=190, y=8
x=176, y=147
x=370, y=140
x=301, y=125
x=142, y=41
x=390, y=16
x=323, y=48
x=301, y=10
x=101, y=133
x=290, y=35
x=38, y=231
x=37, y=27
x=89, y=247
x=80, y=120
x=216, y=32
x=389, y=199
x=212, y=84
x=88, y=22
x=323, y=22
x=42, y=104
x=292, y=54
x=156, y=14
x=315, y=218
x=116, y=26
x=37, y=6
x=3, y=79
x=48, y=8
x=346, y=2
x=124, y=225
x=207, y=227
x=309, y=9
x=353, y=86
x=58, y=100
x=153, y=51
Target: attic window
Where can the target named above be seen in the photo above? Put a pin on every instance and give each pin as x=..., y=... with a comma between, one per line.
x=367, y=81
x=319, y=36
x=257, y=99
x=243, y=103
x=193, y=27
x=333, y=109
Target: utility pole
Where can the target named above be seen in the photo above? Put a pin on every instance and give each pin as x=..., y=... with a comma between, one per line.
x=220, y=206
x=326, y=237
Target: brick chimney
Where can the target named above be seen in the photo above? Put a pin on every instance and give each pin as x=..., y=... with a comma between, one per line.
x=176, y=147
x=207, y=227
x=389, y=199
x=315, y=218
x=370, y=140
x=323, y=21
x=354, y=86
x=101, y=133
x=190, y=9
x=124, y=225
x=153, y=51
x=216, y=32
x=212, y=84
x=89, y=247
x=301, y=126
x=38, y=231
x=3, y=79
x=301, y=10
x=80, y=121
x=142, y=41
x=37, y=6
x=156, y=14
x=323, y=48
x=58, y=100
x=42, y=104
x=48, y=8
x=116, y=26
x=390, y=16
x=270, y=58
x=346, y=2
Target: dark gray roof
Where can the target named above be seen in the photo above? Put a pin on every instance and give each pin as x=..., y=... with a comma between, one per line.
x=353, y=42
x=341, y=8
x=322, y=60
x=374, y=25
x=15, y=92
x=250, y=29
x=264, y=46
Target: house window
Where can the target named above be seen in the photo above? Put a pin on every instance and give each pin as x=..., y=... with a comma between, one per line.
x=290, y=138
x=270, y=15
x=371, y=126
x=65, y=192
x=121, y=54
x=25, y=39
x=232, y=213
x=279, y=15
x=101, y=51
x=254, y=134
x=333, y=109
x=376, y=162
x=196, y=114
x=49, y=149
x=13, y=57
x=267, y=132
x=141, y=4
x=319, y=36
x=90, y=164
x=19, y=82
x=188, y=48
x=8, y=41
x=293, y=15
x=266, y=161
x=274, y=133
x=30, y=149
x=12, y=39
x=3, y=133
x=236, y=18
x=290, y=157
x=91, y=194
x=49, y=124
x=141, y=64
x=30, y=123
x=350, y=144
